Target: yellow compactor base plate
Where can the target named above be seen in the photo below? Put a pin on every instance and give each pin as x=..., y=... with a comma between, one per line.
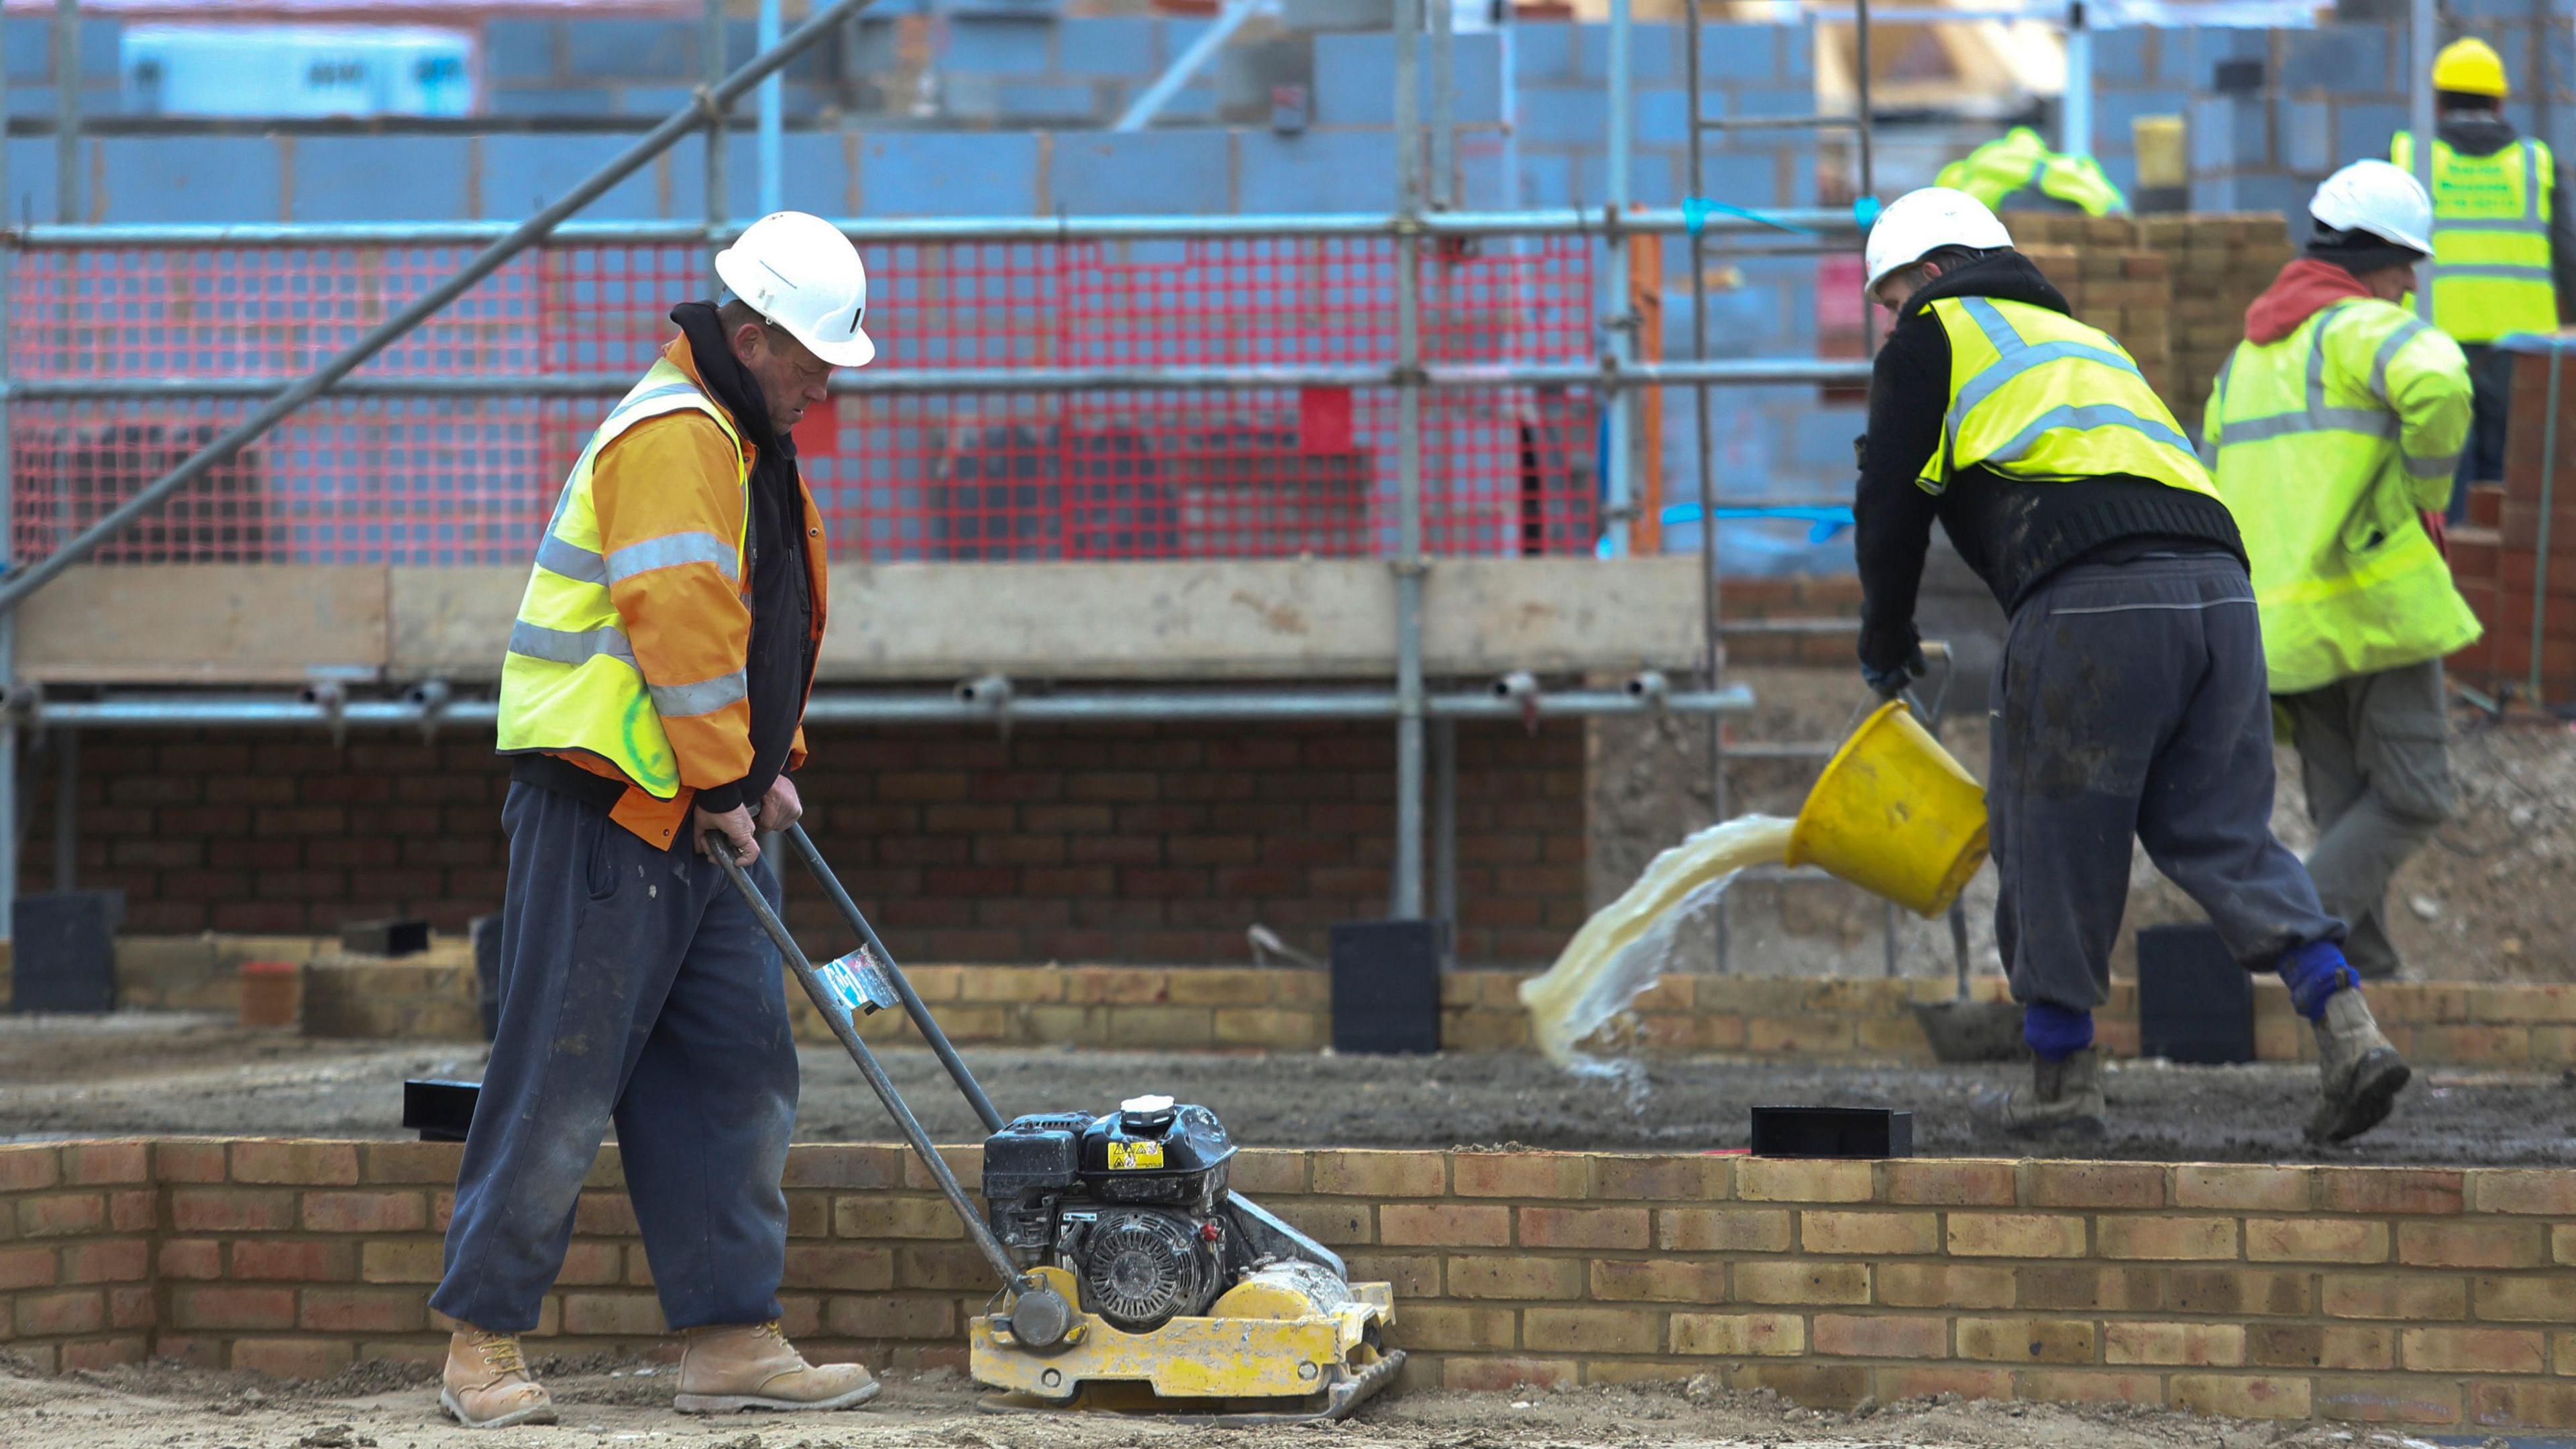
x=1262, y=1355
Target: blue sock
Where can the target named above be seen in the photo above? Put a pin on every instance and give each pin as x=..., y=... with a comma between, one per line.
x=2054, y=1032
x=2313, y=973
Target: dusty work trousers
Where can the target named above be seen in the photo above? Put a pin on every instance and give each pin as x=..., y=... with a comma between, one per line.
x=635, y=986
x=2375, y=753
x=2132, y=706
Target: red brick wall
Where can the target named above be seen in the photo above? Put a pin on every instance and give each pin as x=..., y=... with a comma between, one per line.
x=1138, y=843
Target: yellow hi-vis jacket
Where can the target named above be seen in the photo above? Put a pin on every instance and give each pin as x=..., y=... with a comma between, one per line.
x=2020, y=161
x=2039, y=397
x=2329, y=444
x=2491, y=217
x=630, y=650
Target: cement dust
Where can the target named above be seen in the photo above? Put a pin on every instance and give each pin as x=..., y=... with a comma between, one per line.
x=1624, y=947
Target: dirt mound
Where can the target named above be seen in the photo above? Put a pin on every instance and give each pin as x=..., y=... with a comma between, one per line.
x=2484, y=902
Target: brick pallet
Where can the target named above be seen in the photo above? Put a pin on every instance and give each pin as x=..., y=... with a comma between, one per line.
x=2357, y=1294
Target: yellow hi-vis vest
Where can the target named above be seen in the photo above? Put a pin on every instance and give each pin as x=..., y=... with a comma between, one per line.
x=2310, y=437
x=2491, y=216
x=570, y=680
x=2020, y=161
x=2039, y=397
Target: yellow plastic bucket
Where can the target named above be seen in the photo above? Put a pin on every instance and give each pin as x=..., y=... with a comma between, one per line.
x=1893, y=813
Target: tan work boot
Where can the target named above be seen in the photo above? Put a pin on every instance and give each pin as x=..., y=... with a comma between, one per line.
x=486, y=1385
x=2063, y=1100
x=753, y=1366
x=2358, y=1073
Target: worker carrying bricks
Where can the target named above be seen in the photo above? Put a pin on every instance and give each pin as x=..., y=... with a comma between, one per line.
x=2334, y=427
x=2129, y=699
x=653, y=696
x=2503, y=250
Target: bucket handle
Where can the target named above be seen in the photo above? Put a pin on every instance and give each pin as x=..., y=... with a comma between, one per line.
x=1933, y=649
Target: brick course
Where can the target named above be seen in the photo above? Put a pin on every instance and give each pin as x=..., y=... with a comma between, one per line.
x=2362, y=1295
x=1131, y=843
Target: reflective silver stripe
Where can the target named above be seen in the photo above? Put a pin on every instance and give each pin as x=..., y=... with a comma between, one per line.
x=672, y=551
x=2394, y=343
x=2441, y=467
x=680, y=701
x=2529, y=225
x=2318, y=416
x=628, y=405
x=2085, y=419
x=569, y=646
x=2494, y=271
x=581, y=565
x=2015, y=356
x=2370, y=422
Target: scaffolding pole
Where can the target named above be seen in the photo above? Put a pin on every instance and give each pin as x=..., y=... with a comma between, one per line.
x=1409, y=564
x=67, y=110
x=714, y=205
x=1823, y=227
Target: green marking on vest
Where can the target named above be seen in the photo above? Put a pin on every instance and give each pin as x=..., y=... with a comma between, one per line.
x=654, y=771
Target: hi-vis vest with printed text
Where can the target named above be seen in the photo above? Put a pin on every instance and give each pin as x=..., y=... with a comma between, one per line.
x=2491, y=215
x=570, y=680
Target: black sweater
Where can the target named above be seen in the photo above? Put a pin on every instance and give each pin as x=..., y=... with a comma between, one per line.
x=2013, y=533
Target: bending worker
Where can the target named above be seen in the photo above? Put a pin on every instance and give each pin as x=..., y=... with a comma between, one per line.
x=2503, y=253
x=2017, y=172
x=2334, y=424
x=2129, y=698
x=654, y=693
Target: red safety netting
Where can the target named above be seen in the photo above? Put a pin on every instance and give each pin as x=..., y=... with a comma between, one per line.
x=1112, y=474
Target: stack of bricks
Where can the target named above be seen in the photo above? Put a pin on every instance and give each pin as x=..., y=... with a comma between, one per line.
x=2227, y=261
x=2496, y=557
x=2172, y=289
x=2430, y=1297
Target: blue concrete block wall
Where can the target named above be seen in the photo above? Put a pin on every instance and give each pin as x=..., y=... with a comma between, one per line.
x=929, y=173
x=189, y=178
x=1149, y=172
x=382, y=178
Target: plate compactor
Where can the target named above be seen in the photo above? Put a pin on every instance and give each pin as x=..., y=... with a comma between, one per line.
x=1134, y=1279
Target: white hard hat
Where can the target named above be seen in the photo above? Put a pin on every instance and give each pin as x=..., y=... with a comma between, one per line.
x=1922, y=222
x=2383, y=200
x=803, y=275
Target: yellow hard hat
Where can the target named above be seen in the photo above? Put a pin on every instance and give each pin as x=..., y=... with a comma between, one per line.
x=2471, y=67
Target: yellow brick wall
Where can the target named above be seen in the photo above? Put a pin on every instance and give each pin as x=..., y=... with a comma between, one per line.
x=2429, y=1297
x=1226, y=1008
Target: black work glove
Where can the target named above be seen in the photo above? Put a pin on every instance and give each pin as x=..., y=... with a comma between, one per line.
x=1888, y=683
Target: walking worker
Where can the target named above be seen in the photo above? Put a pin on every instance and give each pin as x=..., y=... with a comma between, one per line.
x=2503, y=251
x=2129, y=698
x=2335, y=426
x=653, y=695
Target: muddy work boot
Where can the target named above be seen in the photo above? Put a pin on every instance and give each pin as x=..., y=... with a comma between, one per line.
x=2359, y=1073
x=486, y=1385
x=2063, y=1100
x=753, y=1366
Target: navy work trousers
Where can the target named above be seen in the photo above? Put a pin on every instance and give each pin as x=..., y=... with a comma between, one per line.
x=635, y=987
x=2131, y=703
